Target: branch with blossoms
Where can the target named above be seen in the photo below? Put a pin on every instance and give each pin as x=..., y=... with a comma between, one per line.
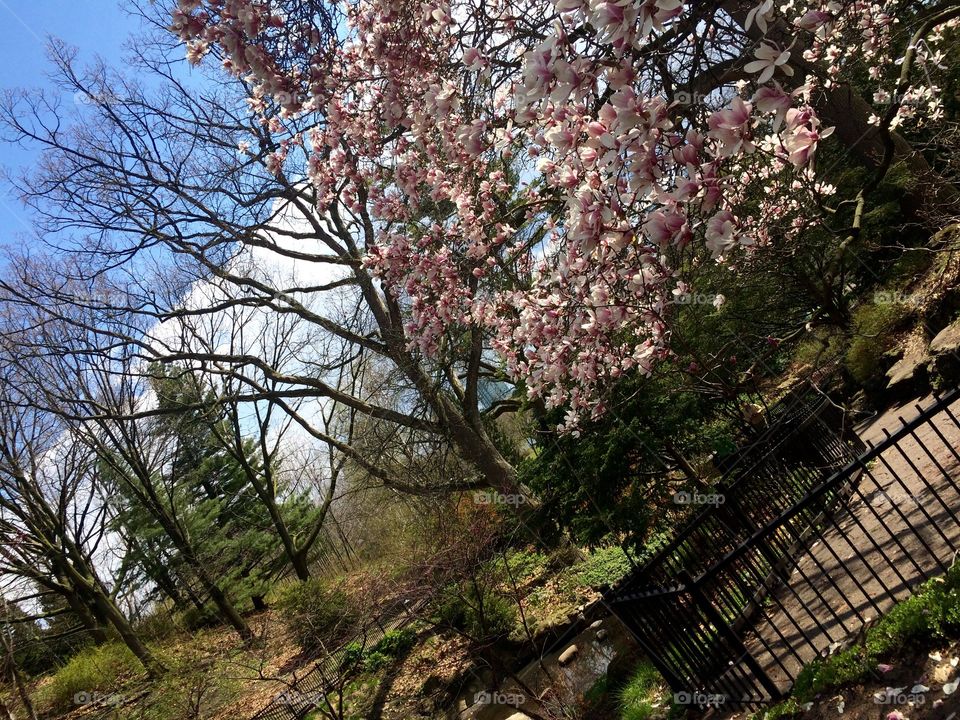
x=570, y=112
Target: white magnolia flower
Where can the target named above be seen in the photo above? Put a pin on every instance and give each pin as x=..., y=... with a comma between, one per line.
x=761, y=14
x=769, y=58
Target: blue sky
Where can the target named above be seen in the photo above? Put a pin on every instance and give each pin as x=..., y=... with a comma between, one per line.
x=95, y=27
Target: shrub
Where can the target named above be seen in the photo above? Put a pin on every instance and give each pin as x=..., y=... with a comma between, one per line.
x=395, y=642
x=352, y=657
x=485, y=617
x=94, y=670
x=158, y=625
x=195, y=688
x=603, y=567
x=932, y=612
x=195, y=618
x=316, y=614
x=491, y=616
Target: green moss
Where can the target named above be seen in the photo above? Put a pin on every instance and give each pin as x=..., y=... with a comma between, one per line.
x=872, y=328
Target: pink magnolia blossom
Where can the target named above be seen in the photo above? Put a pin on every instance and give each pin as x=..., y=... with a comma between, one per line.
x=483, y=108
x=773, y=99
x=731, y=127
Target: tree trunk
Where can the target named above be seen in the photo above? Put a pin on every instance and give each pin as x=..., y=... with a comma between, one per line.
x=299, y=562
x=226, y=608
x=80, y=608
x=129, y=636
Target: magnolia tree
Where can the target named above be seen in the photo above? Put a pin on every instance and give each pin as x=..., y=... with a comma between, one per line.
x=552, y=174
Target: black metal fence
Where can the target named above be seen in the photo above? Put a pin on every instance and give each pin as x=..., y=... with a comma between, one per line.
x=813, y=535
x=319, y=685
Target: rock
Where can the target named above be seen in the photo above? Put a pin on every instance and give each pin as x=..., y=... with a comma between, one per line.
x=911, y=367
x=601, y=634
x=519, y=716
x=595, y=625
x=945, y=347
x=947, y=340
x=567, y=656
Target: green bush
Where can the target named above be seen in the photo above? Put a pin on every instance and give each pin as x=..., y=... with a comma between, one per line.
x=391, y=646
x=92, y=671
x=603, y=567
x=485, y=617
x=373, y=660
x=493, y=616
x=158, y=625
x=352, y=657
x=931, y=613
x=317, y=614
x=196, y=687
x=195, y=618
x=395, y=642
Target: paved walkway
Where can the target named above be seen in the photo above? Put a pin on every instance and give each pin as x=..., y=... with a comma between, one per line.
x=898, y=528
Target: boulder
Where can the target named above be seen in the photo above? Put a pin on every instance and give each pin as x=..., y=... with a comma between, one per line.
x=912, y=367
x=567, y=656
x=947, y=340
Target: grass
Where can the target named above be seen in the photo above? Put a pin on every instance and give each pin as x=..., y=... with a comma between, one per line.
x=642, y=691
x=931, y=613
x=92, y=671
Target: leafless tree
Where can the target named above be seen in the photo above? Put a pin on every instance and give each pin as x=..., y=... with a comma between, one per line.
x=50, y=519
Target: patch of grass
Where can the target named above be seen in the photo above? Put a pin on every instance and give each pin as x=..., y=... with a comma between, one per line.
x=92, y=671
x=596, y=693
x=931, y=613
x=601, y=568
x=641, y=692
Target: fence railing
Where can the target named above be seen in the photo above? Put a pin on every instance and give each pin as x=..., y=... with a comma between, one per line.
x=300, y=697
x=817, y=536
